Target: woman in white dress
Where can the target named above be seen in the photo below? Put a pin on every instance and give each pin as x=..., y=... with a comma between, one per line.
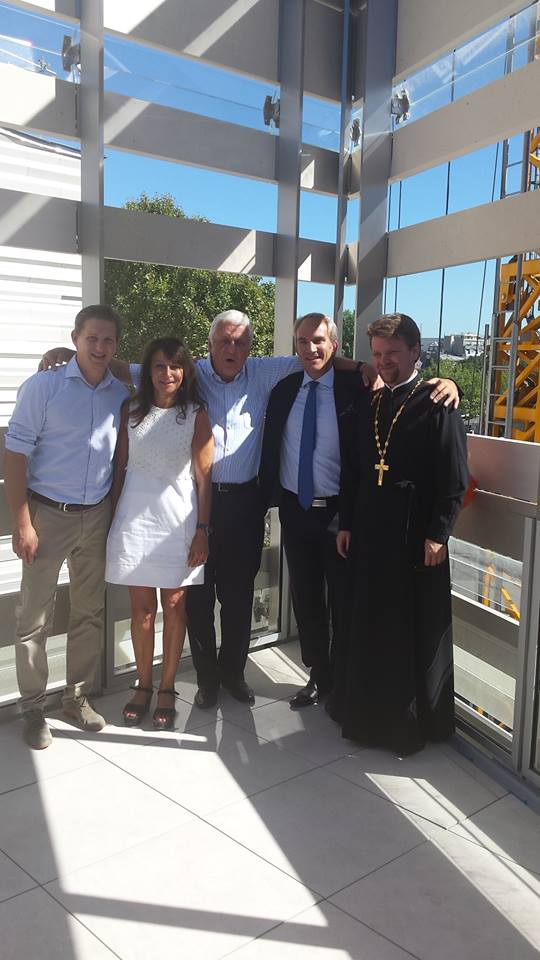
x=161, y=495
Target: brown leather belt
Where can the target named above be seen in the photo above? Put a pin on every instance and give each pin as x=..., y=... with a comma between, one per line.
x=63, y=507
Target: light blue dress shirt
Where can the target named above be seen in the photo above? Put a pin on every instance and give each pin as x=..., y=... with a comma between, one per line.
x=326, y=457
x=67, y=429
x=236, y=410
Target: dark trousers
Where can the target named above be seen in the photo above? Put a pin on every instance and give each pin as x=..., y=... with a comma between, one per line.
x=318, y=577
x=235, y=546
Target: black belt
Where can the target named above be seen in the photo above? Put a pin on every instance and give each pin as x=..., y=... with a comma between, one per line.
x=233, y=487
x=317, y=501
x=63, y=507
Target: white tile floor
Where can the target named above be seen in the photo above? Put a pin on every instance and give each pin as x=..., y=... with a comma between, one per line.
x=259, y=833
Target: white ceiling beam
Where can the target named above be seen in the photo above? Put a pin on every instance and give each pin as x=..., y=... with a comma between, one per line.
x=499, y=229
x=428, y=29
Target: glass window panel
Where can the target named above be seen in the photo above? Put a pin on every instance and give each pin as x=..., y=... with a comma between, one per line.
x=32, y=41
x=429, y=89
x=353, y=140
x=486, y=577
x=390, y=295
x=158, y=76
x=40, y=293
x=318, y=216
x=39, y=164
x=394, y=205
x=468, y=297
x=349, y=325
x=315, y=298
x=475, y=178
x=513, y=179
x=480, y=62
x=56, y=655
x=423, y=196
x=266, y=601
x=218, y=197
x=472, y=65
x=536, y=736
x=419, y=295
x=321, y=123
x=485, y=654
x=515, y=149
x=353, y=220
x=467, y=306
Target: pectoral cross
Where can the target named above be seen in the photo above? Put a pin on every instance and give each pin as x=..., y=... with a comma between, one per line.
x=382, y=467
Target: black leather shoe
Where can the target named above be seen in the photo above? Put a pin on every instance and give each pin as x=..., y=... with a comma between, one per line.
x=206, y=697
x=306, y=697
x=240, y=691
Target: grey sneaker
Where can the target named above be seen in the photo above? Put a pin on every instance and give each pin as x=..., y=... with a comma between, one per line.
x=84, y=714
x=36, y=730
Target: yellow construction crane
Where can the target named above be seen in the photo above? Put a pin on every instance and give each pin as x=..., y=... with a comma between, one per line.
x=516, y=344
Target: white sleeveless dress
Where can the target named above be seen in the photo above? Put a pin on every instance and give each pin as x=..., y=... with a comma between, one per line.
x=156, y=515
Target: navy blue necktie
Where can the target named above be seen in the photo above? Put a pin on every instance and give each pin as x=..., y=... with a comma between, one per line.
x=307, y=447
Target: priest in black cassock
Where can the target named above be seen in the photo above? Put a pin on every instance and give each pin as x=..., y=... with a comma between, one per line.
x=404, y=476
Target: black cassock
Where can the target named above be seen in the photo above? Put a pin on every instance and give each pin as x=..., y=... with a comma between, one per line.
x=394, y=680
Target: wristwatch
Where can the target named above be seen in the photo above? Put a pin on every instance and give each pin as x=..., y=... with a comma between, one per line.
x=204, y=526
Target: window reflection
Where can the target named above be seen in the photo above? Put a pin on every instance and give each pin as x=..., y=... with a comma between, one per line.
x=485, y=653
x=504, y=48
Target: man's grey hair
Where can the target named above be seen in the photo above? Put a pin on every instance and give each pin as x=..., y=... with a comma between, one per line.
x=316, y=319
x=235, y=317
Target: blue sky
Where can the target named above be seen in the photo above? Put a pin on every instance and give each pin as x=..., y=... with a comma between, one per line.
x=150, y=74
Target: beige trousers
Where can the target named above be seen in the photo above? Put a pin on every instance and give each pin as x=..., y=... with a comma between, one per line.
x=80, y=539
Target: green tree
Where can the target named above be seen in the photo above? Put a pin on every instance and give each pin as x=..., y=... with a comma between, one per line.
x=468, y=376
x=158, y=300
x=347, y=339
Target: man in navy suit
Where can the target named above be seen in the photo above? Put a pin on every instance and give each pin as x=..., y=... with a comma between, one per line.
x=307, y=416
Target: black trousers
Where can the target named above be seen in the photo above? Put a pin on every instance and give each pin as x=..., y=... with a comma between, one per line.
x=235, y=546
x=318, y=577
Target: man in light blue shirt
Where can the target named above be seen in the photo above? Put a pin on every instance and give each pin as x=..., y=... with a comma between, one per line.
x=237, y=406
x=60, y=445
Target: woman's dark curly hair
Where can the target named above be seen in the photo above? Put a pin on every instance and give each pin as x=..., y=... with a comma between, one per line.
x=176, y=352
